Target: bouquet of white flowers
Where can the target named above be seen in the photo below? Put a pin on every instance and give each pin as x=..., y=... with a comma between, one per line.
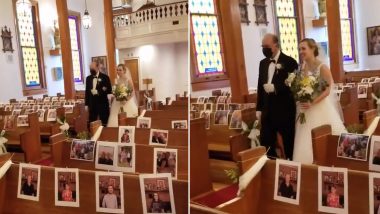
x=122, y=92
x=305, y=88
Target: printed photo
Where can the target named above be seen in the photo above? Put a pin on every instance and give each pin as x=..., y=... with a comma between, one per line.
x=196, y=107
x=373, y=39
x=353, y=146
x=362, y=91
x=9, y=122
x=374, y=193
x=201, y=99
x=233, y=106
x=144, y=122
x=332, y=190
x=126, y=157
x=126, y=134
x=22, y=121
x=221, y=99
x=159, y=137
x=16, y=112
x=104, y=158
x=157, y=193
x=221, y=117
x=179, y=124
x=109, y=192
x=206, y=115
x=208, y=106
x=374, y=154
x=287, y=181
x=66, y=187
x=165, y=161
x=51, y=115
x=212, y=99
x=220, y=107
x=236, y=120
x=82, y=150
x=29, y=182
x=69, y=109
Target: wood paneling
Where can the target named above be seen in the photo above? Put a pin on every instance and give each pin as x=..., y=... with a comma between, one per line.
x=110, y=39
x=335, y=38
x=67, y=63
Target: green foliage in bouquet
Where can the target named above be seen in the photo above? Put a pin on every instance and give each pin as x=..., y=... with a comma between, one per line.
x=83, y=135
x=305, y=88
x=233, y=174
x=355, y=128
x=122, y=92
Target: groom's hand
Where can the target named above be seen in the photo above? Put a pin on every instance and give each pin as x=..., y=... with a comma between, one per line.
x=269, y=88
x=258, y=115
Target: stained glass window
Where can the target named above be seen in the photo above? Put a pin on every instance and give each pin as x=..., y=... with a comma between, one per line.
x=76, y=49
x=347, y=32
x=206, y=37
x=287, y=27
x=26, y=25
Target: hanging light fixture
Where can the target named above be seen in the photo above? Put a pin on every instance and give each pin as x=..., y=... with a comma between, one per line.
x=86, y=19
x=23, y=6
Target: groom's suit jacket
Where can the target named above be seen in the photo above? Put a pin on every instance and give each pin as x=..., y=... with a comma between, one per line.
x=103, y=87
x=278, y=106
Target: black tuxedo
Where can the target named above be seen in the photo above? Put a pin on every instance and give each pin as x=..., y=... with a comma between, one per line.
x=98, y=104
x=278, y=108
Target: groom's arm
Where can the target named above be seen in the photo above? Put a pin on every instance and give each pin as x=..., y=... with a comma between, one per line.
x=260, y=90
x=87, y=92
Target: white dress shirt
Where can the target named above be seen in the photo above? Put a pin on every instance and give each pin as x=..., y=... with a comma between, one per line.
x=272, y=67
x=94, y=83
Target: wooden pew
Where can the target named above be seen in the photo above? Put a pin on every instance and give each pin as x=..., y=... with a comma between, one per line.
x=144, y=152
x=350, y=108
x=181, y=114
x=9, y=203
x=368, y=117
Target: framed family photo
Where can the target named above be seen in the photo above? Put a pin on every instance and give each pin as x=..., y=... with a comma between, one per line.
x=66, y=187
x=373, y=39
x=69, y=109
x=9, y=122
x=126, y=158
x=236, y=120
x=221, y=117
x=353, y=146
x=287, y=181
x=41, y=115
x=157, y=193
x=29, y=182
x=144, y=122
x=51, y=115
x=165, y=161
x=332, y=190
x=208, y=107
x=206, y=115
x=127, y=134
x=158, y=137
x=105, y=155
x=179, y=124
x=22, y=121
x=362, y=91
x=109, y=192
x=374, y=193
x=82, y=150
x=201, y=99
x=374, y=154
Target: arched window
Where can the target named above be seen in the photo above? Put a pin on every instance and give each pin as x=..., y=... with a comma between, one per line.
x=347, y=31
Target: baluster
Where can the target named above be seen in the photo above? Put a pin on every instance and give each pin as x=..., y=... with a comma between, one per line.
x=166, y=11
x=156, y=13
x=171, y=11
x=181, y=9
x=161, y=12
x=176, y=10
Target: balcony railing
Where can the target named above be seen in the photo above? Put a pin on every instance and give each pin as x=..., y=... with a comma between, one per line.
x=151, y=14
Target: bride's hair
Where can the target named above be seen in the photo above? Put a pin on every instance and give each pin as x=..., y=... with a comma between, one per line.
x=312, y=45
x=122, y=66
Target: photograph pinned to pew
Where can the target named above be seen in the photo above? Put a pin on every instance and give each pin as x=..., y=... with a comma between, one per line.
x=192, y=115
x=221, y=117
x=28, y=111
x=212, y=99
x=236, y=120
x=208, y=107
x=16, y=112
x=332, y=190
x=206, y=115
x=29, y=182
x=233, y=107
x=157, y=193
x=8, y=108
x=221, y=99
x=9, y=122
x=22, y=121
x=144, y=122
x=374, y=193
x=201, y=99
x=53, y=99
x=41, y=115
x=362, y=91
x=127, y=134
x=105, y=155
x=109, y=192
x=179, y=124
x=220, y=106
x=353, y=146
x=66, y=187
x=69, y=109
x=165, y=161
x=126, y=156
x=196, y=107
x=159, y=137
x=374, y=154
x=287, y=181
x=51, y=115
x=46, y=107
x=82, y=150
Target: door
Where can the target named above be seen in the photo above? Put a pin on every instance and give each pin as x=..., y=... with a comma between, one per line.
x=133, y=66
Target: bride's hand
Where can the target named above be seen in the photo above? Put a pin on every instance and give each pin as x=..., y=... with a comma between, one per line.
x=305, y=105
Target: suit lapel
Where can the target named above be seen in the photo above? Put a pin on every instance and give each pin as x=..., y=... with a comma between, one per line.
x=280, y=62
x=266, y=71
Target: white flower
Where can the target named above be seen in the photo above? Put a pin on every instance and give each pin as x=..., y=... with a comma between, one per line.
x=64, y=127
x=312, y=78
x=99, y=80
x=278, y=66
x=2, y=133
x=308, y=90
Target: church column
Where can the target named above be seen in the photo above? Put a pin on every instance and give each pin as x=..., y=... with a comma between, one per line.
x=67, y=63
x=110, y=39
x=335, y=38
x=233, y=48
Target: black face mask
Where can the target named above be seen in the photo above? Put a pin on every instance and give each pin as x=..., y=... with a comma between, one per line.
x=93, y=71
x=267, y=52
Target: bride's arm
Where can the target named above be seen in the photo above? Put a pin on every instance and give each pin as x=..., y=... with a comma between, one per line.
x=327, y=76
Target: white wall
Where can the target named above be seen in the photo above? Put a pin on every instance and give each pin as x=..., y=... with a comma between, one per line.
x=166, y=64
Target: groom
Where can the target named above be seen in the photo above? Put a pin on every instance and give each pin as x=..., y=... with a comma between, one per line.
x=98, y=86
x=276, y=109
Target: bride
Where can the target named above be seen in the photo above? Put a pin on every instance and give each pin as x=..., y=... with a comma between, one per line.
x=129, y=106
x=324, y=110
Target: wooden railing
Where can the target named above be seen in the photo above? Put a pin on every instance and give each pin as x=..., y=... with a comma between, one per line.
x=155, y=13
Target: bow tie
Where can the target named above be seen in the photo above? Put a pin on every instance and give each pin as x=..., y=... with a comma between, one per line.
x=272, y=61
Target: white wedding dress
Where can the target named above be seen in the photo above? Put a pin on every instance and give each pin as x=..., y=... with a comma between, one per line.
x=130, y=107
x=326, y=112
